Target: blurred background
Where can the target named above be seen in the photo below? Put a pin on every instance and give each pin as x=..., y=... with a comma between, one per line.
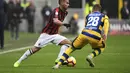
x=30, y=17
x=23, y=20
x=33, y=14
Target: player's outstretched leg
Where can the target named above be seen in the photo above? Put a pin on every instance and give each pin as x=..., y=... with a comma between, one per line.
x=95, y=53
x=64, y=57
x=25, y=56
x=62, y=50
x=61, y=61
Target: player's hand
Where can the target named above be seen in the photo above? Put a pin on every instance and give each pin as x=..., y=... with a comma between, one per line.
x=104, y=37
x=67, y=25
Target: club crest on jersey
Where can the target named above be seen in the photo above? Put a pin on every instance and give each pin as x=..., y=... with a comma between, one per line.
x=56, y=13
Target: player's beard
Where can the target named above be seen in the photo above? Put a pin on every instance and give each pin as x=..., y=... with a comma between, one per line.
x=65, y=8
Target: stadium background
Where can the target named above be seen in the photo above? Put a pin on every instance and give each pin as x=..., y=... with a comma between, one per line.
x=112, y=7
x=115, y=59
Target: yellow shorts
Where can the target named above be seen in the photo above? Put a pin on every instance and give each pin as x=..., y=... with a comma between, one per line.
x=83, y=40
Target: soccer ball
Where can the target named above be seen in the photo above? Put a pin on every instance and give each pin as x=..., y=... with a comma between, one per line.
x=71, y=61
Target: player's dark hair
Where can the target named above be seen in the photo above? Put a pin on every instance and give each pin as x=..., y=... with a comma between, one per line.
x=60, y=1
x=97, y=7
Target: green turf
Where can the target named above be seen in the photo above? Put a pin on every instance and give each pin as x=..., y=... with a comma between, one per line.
x=25, y=39
x=115, y=59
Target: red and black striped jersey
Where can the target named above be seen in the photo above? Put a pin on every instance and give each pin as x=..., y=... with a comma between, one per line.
x=51, y=27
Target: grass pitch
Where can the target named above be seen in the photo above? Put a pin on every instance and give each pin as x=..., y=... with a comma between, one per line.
x=115, y=58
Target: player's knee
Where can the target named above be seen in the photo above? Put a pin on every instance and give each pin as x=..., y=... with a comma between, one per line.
x=75, y=48
x=35, y=49
x=67, y=45
x=65, y=42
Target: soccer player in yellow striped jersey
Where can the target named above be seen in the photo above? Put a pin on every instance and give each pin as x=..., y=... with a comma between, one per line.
x=94, y=33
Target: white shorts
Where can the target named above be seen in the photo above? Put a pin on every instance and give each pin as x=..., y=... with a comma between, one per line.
x=44, y=39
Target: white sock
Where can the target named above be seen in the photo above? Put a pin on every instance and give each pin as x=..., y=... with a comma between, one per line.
x=62, y=50
x=25, y=55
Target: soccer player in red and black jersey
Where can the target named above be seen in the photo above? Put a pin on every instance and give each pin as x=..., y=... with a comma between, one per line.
x=50, y=33
x=56, y=19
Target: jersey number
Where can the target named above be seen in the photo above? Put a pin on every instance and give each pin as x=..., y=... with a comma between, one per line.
x=93, y=21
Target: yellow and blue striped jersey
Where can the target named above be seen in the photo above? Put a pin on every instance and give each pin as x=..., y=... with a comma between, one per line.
x=95, y=22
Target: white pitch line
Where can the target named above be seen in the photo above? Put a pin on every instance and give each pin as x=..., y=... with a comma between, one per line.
x=13, y=50
x=18, y=49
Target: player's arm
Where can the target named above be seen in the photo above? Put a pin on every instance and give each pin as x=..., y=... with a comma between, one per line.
x=58, y=22
x=86, y=20
x=106, y=27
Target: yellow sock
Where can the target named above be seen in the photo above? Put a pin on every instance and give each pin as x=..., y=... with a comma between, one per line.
x=69, y=50
x=65, y=55
x=96, y=52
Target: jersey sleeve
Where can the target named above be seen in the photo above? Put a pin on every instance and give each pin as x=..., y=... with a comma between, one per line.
x=106, y=25
x=56, y=13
